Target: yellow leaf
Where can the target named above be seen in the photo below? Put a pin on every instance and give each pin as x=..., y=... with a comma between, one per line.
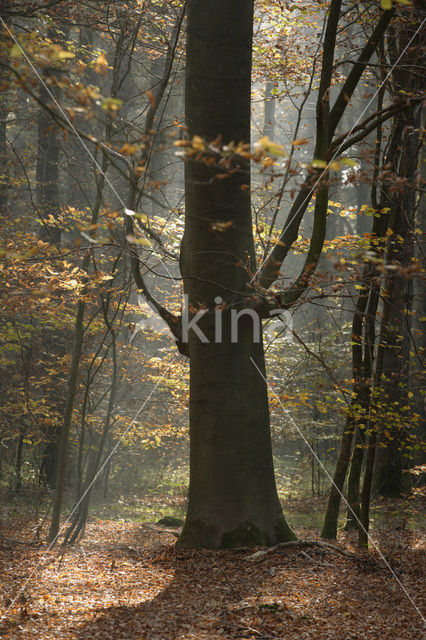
x=64, y=55
x=221, y=226
x=31, y=252
x=349, y=162
x=128, y=149
x=335, y=165
x=101, y=60
x=198, y=143
x=266, y=145
x=144, y=242
x=319, y=164
x=386, y=4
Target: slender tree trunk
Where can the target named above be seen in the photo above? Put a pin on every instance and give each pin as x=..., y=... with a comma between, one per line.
x=19, y=451
x=232, y=494
x=354, y=513
x=81, y=441
x=329, y=529
x=47, y=170
x=418, y=369
x=47, y=173
x=363, y=345
x=366, y=492
x=390, y=478
x=64, y=434
x=269, y=113
x=4, y=174
x=73, y=378
x=107, y=474
x=363, y=340
x=48, y=203
x=80, y=518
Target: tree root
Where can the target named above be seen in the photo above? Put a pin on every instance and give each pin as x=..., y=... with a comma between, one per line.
x=11, y=542
x=300, y=544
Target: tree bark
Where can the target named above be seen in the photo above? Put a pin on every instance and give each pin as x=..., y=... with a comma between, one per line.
x=363, y=341
x=353, y=514
x=390, y=478
x=65, y=430
x=4, y=111
x=78, y=339
x=47, y=170
x=269, y=111
x=232, y=494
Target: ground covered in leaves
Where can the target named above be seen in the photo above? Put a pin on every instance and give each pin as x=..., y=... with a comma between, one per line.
x=127, y=581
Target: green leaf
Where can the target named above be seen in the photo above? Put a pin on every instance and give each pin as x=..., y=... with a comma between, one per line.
x=16, y=51
x=386, y=4
x=112, y=104
x=349, y=162
x=318, y=164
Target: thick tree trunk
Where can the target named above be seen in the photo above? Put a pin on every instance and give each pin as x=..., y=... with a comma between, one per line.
x=232, y=495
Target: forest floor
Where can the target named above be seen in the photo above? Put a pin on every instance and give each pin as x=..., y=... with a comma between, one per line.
x=126, y=581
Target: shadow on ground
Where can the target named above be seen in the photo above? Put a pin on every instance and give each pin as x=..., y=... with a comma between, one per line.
x=206, y=597
x=216, y=595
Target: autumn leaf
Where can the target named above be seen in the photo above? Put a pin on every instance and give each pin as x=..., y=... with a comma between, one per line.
x=128, y=149
x=150, y=97
x=112, y=104
x=221, y=226
x=319, y=164
x=101, y=61
x=265, y=145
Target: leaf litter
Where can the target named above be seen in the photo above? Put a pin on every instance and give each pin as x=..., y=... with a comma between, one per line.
x=126, y=581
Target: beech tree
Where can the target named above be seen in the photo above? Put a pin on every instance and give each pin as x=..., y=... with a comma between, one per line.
x=232, y=495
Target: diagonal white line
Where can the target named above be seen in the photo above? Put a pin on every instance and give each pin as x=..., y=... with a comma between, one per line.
x=91, y=484
x=70, y=124
x=308, y=197
x=341, y=494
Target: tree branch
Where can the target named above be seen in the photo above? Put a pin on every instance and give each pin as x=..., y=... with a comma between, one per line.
x=357, y=70
x=271, y=267
x=342, y=143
